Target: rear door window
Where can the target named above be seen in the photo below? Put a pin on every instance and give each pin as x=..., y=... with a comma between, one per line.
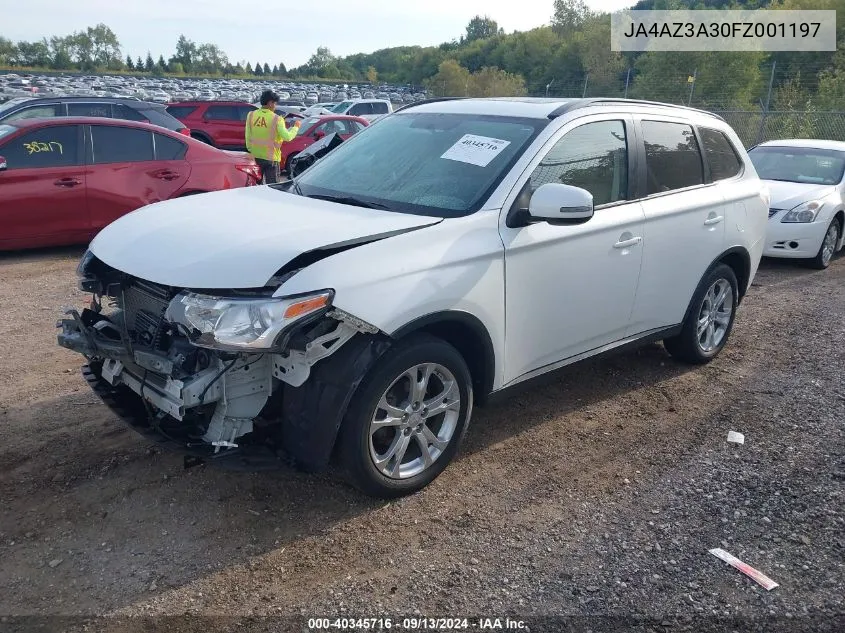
x=221, y=113
x=243, y=112
x=167, y=148
x=114, y=144
x=54, y=146
x=723, y=159
x=360, y=109
x=673, y=160
x=89, y=109
x=379, y=107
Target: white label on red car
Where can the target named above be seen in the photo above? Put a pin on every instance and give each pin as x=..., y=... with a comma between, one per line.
x=476, y=150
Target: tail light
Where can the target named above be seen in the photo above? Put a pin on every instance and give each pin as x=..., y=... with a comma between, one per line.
x=252, y=170
x=184, y=130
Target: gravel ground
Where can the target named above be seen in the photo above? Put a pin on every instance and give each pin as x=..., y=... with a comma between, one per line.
x=594, y=496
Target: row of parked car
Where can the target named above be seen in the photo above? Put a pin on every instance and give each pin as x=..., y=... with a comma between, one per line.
x=166, y=89
x=70, y=166
x=449, y=252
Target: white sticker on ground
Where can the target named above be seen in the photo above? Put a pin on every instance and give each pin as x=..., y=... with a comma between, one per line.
x=476, y=150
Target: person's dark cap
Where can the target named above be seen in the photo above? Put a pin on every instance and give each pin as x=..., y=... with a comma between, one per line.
x=267, y=96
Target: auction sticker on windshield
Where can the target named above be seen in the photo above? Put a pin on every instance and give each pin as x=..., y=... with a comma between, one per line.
x=476, y=150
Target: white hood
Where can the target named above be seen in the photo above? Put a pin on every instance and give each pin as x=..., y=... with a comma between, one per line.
x=788, y=195
x=237, y=238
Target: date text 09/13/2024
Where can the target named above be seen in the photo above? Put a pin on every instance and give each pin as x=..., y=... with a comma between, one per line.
x=416, y=624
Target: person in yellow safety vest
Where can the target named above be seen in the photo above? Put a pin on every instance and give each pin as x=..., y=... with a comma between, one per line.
x=265, y=133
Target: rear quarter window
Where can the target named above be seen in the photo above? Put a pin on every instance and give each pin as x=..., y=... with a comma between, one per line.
x=167, y=148
x=721, y=155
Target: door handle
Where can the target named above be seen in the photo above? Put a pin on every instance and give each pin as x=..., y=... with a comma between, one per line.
x=713, y=220
x=167, y=175
x=67, y=182
x=629, y=242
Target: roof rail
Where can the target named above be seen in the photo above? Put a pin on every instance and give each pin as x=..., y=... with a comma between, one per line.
x=575, y=104
x=424, y=101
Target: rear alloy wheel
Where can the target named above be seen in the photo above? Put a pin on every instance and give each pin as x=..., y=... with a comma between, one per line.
x=407, y=420
x=828, y=248
x=709, y=320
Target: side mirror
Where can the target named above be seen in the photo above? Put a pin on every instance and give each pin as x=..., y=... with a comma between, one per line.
x=319, y=134
x=556, y=203
x=3, y=164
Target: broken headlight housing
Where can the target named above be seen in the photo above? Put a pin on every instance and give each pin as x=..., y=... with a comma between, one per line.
x=242, y=323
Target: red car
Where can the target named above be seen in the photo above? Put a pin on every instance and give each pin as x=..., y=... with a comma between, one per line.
x=64, y=179
x=218, y=123
x=314, y=128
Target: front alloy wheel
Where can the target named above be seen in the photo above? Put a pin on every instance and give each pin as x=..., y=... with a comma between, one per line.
x=414, y=421
x=407, y=418
x=828, y=248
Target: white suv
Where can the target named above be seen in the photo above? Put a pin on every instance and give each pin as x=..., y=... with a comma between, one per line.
x=370, y=109
x=452, y=250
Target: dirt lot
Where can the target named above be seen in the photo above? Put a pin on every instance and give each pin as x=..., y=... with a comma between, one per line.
x=596, y=494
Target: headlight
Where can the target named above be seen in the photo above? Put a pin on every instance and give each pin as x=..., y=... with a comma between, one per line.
x=235, y=324
x=804, y=212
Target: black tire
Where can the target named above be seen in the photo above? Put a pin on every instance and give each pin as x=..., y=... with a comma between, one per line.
x=818, y=262
x=687, y=346
x=288, y=162
x=354, y=443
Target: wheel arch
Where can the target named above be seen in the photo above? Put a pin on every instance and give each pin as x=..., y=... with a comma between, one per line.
x=840, y=216
x=202, y=136
x=737, y=259
x=466, y=333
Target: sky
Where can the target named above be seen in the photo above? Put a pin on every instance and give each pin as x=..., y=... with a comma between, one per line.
x=273, y=32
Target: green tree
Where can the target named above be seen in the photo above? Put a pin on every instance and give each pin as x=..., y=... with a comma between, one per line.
x=480, y=28
x=248, y=68
x=149, y=64
x=105, y=48
x=8, y=51
x=282, y=69
x=267, y=70
x=35, y=54
x=130, y=65
x=569, y=15
x=372, y=74
x=139, y=64
x=258, y=70
x=186, y=51
x=275, y=71
x=493, y=82
x=451, y=80
x=176, y=68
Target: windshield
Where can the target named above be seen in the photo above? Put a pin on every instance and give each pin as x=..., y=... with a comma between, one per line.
x=805, y=165
x=306, y=124
x=444, y=165
x=342, y=107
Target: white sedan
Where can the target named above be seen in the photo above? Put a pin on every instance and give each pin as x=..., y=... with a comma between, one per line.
x=806, y=217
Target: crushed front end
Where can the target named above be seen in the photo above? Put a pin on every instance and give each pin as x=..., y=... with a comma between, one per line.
x=204, y=372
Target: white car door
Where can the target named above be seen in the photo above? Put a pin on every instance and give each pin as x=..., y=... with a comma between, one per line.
x=684, y=223
x=570, y=289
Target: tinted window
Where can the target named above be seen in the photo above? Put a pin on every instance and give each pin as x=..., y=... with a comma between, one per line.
x=35, y=112
x=180, y=112
x=89, y=109
x=243, y=112
x=114, y=144
x=672, y=157
x=360, y=109
x=120, y=111
x=222, y=113
x=160, y=117
x=55, y=146
x=379, y=108
x=593, y=157
x=724, y=163
x=169, y=148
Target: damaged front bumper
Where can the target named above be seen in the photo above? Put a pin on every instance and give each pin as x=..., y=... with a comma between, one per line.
x=257, y=408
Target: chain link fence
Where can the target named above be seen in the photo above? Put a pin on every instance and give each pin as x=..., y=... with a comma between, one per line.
x=756, y=127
